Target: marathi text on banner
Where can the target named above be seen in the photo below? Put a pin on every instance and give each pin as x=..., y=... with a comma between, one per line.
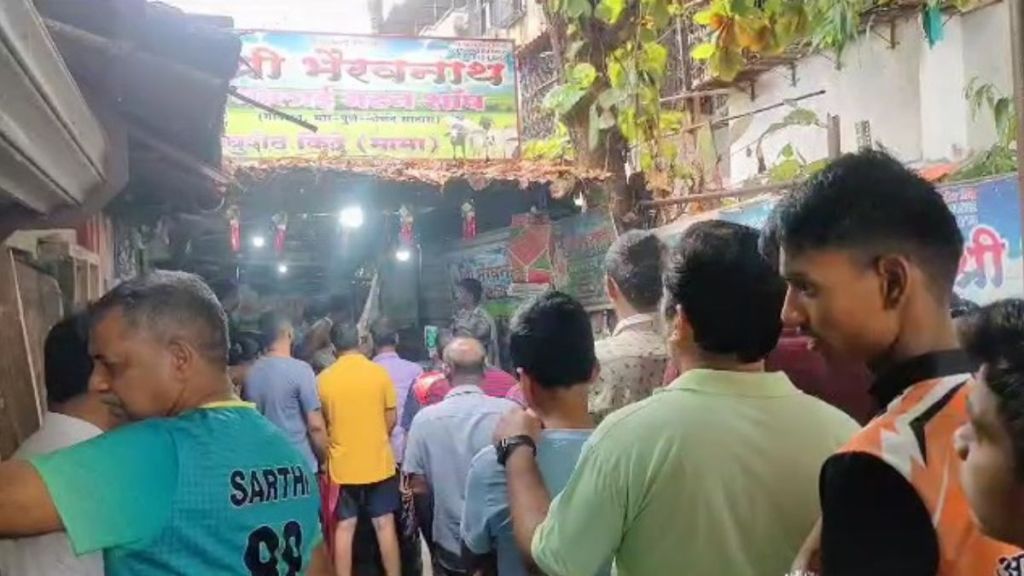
x=374, y=97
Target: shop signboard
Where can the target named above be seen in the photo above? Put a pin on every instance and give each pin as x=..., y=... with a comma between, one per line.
x=581, y=243
x=373, y=97
x=988, y=213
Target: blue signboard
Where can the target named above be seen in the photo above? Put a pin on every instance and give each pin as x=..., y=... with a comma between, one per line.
x=989, y=215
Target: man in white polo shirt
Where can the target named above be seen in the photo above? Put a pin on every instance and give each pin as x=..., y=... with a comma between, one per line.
x=79, y=409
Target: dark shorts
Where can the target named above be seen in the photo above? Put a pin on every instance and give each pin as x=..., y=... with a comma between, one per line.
x=375, y=500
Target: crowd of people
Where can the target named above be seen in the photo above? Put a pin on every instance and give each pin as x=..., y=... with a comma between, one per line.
x=685, y=443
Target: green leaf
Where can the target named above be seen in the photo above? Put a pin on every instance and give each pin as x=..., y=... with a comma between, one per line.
x=562, y=98
x=616, y=73
x=577, y=8
x=653, y=58
x=627, y=124
x=612, y=97
x=702, y=18
x=702, y=51
x=660, y=14
x=583, y=75
x=787, y=151
x=609, y=11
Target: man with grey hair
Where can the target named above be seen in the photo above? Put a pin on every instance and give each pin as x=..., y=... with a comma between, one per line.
x=200, y=483
x=442, y=442
x=634, y=357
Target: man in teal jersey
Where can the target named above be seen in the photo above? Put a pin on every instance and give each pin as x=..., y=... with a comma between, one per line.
x=200, y=483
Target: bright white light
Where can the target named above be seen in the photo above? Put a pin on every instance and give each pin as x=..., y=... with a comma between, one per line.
x=403, y=255
x=352, y=217
x=259, y=241
x=282, y=269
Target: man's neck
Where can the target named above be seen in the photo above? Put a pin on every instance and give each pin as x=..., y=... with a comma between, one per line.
x=565, y=409
x=386, y=350
x=457, y=381
x=623, y=309
x=700, y=361
x=280, y=350
x=923, y=333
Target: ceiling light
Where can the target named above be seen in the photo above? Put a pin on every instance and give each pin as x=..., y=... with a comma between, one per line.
x=403, y=255
x=352, y=217
x=282, y=269
x=259, y=241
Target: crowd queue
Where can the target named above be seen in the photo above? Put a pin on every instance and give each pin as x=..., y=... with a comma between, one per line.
x=695, y=440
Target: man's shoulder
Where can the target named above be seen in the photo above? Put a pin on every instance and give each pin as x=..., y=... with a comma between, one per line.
x=631, y=344
x=58, y=431
x=484, y=465
x=633, y=423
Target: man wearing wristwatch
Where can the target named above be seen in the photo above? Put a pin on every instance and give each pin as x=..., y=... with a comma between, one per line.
x=552, y=347
x=715, y=474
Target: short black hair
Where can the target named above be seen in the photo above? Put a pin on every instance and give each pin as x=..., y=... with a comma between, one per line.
x=66, y=361
x=993, y=337
x=272, y=325
x=165, y=302
x=872, y=204
x=634, y=262
x=384, y=333
x=345, y=336
x=960, y=306
x=551, y=339
x=244, y=348
x=731, y=295
x=473, y=287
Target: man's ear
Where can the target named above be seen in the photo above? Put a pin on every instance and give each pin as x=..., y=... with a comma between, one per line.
x=526, y=384
x=679, y=329
x=611, y=288
x=894, y=274
x=183, y=356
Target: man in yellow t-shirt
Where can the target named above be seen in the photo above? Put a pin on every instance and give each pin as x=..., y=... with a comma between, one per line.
x=359, y=405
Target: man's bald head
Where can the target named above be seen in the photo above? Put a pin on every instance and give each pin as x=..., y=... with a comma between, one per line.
x=465, y=358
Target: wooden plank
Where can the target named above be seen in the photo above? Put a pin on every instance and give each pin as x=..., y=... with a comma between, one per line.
x=19, y=410
x=42, y=307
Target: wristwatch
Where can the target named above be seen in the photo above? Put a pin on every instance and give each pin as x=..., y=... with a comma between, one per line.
x=506, y=446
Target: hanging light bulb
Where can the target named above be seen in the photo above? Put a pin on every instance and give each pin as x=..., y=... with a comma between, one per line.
x=352, y=217
x=282, y=269
x=403, y=254
x=259, y=241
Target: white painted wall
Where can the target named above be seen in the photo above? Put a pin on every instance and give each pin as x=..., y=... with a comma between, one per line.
x=911, y=94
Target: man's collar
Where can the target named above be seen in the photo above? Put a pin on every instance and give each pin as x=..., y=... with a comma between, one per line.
x=891, y=382
x=727, y=383
x=634, y=322
x=462, y=390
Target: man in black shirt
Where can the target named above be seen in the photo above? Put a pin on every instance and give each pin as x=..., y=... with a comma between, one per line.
x=870, y=252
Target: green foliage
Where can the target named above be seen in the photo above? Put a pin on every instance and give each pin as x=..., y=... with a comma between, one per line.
x=742, y=28
x=1001, y=158
x=557, y=147
x=792, y=166
x=614, y=70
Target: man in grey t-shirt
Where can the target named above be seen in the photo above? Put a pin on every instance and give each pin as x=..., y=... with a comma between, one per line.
x=284, y=390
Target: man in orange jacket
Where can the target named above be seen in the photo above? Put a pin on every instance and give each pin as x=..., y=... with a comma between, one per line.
x=870, y=252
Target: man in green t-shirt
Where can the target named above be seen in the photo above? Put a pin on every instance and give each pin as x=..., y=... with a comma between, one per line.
x=715, y=474
x=200, y=483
